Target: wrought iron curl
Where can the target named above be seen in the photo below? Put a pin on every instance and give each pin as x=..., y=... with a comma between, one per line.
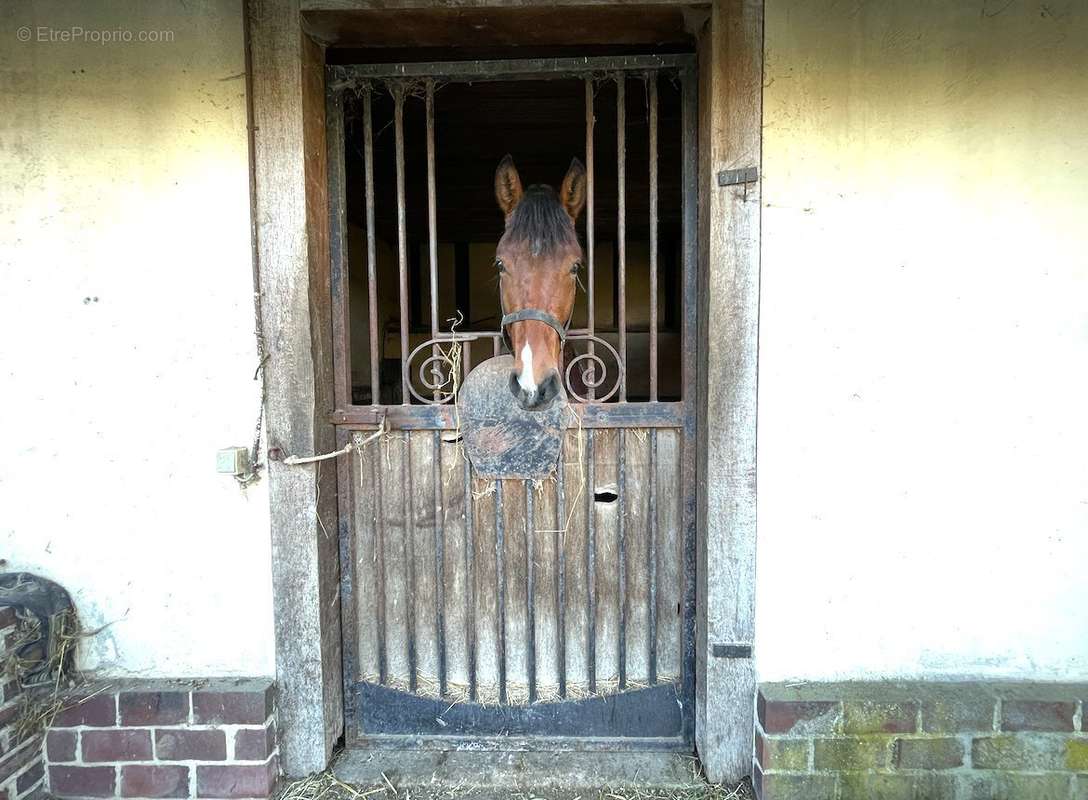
x=591, y=364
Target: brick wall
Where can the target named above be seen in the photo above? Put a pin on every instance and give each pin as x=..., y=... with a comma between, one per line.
x=169, y=739
x=922, y=741
x=22, y=774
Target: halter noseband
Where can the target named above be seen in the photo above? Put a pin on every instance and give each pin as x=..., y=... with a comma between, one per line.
x=537, y=315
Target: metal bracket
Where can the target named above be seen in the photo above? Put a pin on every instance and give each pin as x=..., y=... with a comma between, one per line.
x=732, y=651
x=731, y=177
x=739, y=177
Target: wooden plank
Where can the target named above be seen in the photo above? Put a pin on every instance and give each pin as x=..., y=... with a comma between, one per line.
x=393, y=491
x=731, y=58
x=455, y=532
x=606, y=512
x=513, y=501
x=286, y=92
x=578, y=496
x=670, y=564
x=424, y=594
x=636, y=509
x=368, y=580
x=584, y=415
x=486, y=605
x=546, y=605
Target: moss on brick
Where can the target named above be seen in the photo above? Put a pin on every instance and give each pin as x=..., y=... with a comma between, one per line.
x=790, y=755
x=1019, y=752
x=1076, y=755
x=799, y=787
x=943, y=753
x=873, y=717
x=853, y=753
x=868, y=786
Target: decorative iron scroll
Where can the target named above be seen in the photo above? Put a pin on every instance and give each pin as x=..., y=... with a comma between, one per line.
x=439, y=373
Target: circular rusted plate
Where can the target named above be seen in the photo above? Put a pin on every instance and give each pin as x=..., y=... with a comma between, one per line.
x=501, y=439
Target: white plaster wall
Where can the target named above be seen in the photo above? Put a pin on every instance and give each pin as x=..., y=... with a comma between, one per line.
x=923, y=388
x=125, y=180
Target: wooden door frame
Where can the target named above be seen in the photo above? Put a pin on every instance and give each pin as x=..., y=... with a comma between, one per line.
x=291, y=249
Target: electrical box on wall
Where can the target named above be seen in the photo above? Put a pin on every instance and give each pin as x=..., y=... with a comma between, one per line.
x=232, y=461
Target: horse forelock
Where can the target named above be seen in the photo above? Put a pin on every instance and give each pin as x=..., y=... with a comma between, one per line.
x=541, y=221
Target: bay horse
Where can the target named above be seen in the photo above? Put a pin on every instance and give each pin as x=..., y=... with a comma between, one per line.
x=538, y=259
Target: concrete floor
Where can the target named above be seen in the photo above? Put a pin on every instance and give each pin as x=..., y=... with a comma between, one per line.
x=496, y=775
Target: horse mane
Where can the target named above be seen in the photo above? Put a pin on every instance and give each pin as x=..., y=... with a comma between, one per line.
x=541, y=221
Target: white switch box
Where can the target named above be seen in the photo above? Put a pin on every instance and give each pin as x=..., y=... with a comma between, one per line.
x=232, y=461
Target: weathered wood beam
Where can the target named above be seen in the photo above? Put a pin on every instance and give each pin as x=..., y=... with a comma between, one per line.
x=731, y=63
x=286, y=83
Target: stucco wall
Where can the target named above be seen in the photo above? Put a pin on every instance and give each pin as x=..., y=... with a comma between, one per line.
x=129, y=354
x=923, y=441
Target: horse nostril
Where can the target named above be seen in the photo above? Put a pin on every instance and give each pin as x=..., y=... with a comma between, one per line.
x=515, y=387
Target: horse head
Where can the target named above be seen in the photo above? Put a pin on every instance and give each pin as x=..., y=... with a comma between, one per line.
x=538, y=259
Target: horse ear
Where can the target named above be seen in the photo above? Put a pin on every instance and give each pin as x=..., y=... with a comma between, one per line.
x=507, y=185
x=573, y=191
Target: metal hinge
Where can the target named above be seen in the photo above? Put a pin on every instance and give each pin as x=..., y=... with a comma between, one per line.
x=732, y=651
x=732, y=177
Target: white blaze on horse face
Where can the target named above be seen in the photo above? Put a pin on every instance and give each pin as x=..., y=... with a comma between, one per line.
x=525, y=379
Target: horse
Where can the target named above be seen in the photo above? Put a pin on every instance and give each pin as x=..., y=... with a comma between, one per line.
x=538, y=260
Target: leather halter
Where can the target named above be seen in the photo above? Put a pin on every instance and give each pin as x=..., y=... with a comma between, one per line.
x=537, y=315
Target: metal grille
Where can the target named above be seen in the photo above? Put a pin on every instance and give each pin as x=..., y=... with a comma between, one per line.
x=558, y=608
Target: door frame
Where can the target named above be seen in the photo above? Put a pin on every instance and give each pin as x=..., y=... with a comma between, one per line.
x=285, y=83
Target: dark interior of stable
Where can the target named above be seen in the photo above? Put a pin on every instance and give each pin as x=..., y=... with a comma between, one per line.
x=542, y=124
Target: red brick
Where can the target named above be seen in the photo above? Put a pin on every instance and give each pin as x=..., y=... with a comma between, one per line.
x=232, y=708
x=254, y=745
x=98, y=711
x=117, y=745
x=781, y=716
x=236, y=780
x=61, y=745
x=12, y=689
x=81, y=781
x=186, y=745
x=16, y=759
x=153, y=708
x=1036, y=715
x=867, y=716
x=143, y=780
x=29, y=778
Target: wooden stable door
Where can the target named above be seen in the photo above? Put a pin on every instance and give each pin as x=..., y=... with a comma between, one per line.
x=564, y=607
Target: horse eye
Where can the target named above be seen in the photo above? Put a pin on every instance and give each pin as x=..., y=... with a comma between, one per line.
x=577, y=266
x=499, y=265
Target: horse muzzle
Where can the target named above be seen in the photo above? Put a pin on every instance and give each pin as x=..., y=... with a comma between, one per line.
x=539, y=398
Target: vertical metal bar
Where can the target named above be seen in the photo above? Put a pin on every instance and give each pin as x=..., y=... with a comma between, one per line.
x=371, y=249
x=439, y=563
x=689, y=338
x=621, y=535
x=621, y=226
x=500, y=579
x=409, y=557
x=530, y=527
x=590, y=245
x=559, y=539
x=651, y=562
x=432, y=213
x=470, y=571
x=379, y=554
x=341, y=342
x=652, y=79
x=402, y=245
x=497, y=344
x=591, y=568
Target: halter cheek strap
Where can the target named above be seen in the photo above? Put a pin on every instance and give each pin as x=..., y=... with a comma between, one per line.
x=537, y=315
